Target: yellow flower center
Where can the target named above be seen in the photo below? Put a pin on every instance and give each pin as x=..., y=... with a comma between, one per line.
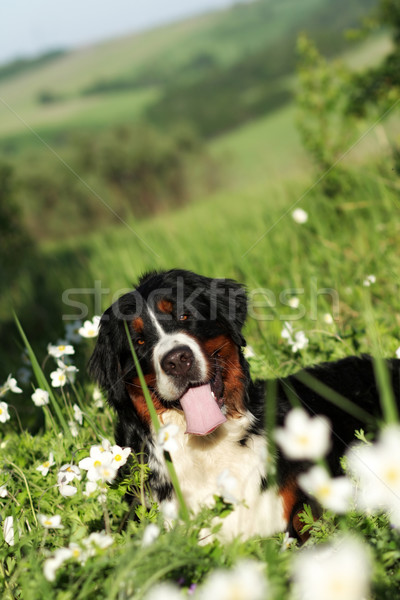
x=1, y=411
x=76, y=553
x=69, y=469
x=324, y=491
x=97, y=463
x=337, y=587
x=303, y=440
x=46, y=464
x=61, y=348
x=118, y=457
x=48, y=522
x=392, y=475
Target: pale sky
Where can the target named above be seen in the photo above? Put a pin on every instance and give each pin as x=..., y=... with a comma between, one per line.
x=30, y=27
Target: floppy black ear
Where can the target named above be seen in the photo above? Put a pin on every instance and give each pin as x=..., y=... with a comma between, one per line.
x=232, y=308
x=104, y=365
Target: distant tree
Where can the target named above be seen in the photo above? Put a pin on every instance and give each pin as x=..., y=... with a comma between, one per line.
x=21, y=65
x=334, y=101
x=325, y=128
x=47, y=97
x=145, y=166
x=379, y=86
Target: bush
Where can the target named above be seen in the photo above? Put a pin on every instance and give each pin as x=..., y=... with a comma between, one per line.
x=131, y=170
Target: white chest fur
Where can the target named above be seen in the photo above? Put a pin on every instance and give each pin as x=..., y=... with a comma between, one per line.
x=200, y=460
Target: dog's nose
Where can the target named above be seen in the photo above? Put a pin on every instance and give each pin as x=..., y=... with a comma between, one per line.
x=177, y=362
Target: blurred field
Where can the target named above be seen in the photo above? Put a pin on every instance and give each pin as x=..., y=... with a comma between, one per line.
x=241, y=184
x=146, y=62
x=251, y=236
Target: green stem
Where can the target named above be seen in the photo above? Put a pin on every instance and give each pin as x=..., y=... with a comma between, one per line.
x=157, y=426
x=107, y=525
x=41, y=379
x=26, y=485
x=17, y=415
x=334, y=397
x=49, y=419
x=381, y=371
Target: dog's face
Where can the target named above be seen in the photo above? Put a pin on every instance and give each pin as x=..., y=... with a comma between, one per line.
x=186, y=331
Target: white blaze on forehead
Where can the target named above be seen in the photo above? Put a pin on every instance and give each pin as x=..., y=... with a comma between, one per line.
x=166, y=385
x=156, y=322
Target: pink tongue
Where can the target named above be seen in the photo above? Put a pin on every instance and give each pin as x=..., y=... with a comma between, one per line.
x=202, y=412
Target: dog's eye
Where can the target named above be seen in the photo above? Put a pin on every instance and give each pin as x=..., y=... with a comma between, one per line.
x=183, y=317
x=140, y=341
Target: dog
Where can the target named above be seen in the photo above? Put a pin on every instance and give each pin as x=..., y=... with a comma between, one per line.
x=186, y=330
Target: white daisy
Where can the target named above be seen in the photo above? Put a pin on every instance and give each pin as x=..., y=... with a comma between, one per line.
x=53, y=522
x=304, y=437
x=60, y=349
x=150, y=534
x=11, y=384
x=45, y=467
x=340, y=570
x=58, y=378
x=4, y=414
x=166, y=437
x=8, y=530
x=299, y=216
x=334, y=494
x=246, y=581
x=90, y=329
x=40, y=397
x=78, y=414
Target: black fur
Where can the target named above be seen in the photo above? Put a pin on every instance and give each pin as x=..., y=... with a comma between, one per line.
x=219, y=307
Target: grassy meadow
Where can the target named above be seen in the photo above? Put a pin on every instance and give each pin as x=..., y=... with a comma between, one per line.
x=236, y=218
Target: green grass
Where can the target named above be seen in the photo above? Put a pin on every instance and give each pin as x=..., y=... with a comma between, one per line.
x=88, y=112
x=341, y=243
x=246, y=232
x=261, y=151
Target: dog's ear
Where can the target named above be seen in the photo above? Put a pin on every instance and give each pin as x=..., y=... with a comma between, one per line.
x=104, y=365
x=231, y=302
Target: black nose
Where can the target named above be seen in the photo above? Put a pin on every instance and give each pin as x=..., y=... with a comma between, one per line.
x=177, y=362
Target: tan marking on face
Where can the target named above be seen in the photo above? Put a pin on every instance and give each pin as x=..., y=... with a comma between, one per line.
x=165, y=306
x=137, y=325
x=227, y=353
x=139, y=401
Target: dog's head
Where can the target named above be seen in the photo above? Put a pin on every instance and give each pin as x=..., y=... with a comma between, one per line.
x=187, y=333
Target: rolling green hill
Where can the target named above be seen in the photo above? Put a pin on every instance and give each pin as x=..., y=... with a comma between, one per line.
x=219, y=77
x=118, y=81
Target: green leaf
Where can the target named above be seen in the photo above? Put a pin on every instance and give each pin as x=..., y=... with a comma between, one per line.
x=42, y=381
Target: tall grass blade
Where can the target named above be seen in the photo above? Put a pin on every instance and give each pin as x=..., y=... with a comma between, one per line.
x=388, y=404
x=270, y=424
x=386, y=396
x=41, y=379
x=156, y=425
x=334, y=397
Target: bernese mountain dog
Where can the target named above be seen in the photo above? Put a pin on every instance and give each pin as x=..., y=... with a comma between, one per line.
x=187, y=333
